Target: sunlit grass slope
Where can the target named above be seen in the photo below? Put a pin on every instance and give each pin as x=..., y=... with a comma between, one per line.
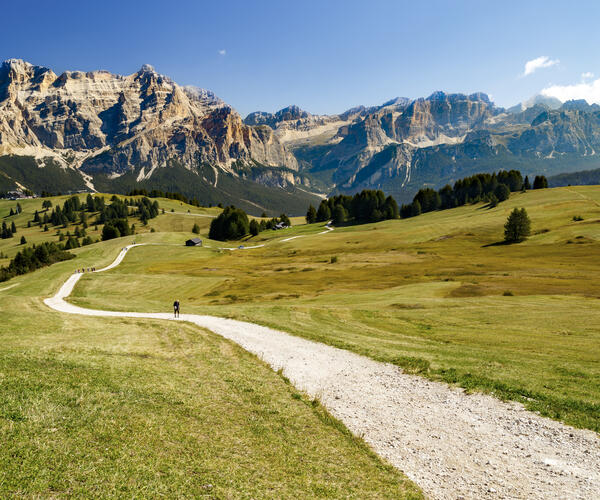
x=113, y=408
x=434, y=294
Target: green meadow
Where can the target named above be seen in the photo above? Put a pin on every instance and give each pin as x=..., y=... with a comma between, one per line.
x=438, y=294
x=111, y=407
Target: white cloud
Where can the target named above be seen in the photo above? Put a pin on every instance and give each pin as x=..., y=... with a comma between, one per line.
x=538, y=63
x=222, y=52
x=588, y=90
x=587, y=75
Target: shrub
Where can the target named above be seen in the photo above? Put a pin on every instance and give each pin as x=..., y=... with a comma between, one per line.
x=196, y=229
x=577, y=218
x=333, y=259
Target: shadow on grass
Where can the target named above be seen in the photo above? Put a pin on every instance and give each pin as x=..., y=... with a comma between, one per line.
x=502, y=243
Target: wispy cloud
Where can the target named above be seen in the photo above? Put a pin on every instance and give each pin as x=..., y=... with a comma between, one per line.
x=588, y=90
x=538, y=63
x=587, y=75
x=222, y=52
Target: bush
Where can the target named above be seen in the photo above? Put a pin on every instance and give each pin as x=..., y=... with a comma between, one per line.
x=196, y=229
x=518, y=226
x=333, y=259
x=577, y=218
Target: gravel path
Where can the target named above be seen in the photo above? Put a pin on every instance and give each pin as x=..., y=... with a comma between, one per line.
x=451, y=444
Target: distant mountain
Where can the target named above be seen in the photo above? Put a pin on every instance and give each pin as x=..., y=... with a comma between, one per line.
x=109, y=132
x=581, y=178
x=405, y=144
x=119, y=131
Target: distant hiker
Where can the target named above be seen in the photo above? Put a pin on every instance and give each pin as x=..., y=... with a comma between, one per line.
x=176, y=308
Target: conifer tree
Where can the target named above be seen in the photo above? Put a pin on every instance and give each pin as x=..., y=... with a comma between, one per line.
x=518, y=226
x=311, y=215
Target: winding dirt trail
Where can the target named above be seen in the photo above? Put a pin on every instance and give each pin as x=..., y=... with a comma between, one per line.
x=451, y=444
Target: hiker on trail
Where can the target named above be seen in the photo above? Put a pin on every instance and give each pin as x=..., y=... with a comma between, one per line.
x=176, y=308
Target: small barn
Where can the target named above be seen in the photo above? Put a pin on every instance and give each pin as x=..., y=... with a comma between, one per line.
x=194, y=242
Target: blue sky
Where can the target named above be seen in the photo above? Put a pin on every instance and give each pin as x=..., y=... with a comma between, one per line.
x=324, y=56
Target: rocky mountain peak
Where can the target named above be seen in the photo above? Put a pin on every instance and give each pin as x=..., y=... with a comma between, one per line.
x=144, y=119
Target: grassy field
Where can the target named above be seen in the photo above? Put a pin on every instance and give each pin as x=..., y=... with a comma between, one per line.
x=436, y=294
x=111, y=408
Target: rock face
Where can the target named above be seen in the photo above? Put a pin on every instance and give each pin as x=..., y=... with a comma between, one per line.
x=404, y=144
x=114, y=124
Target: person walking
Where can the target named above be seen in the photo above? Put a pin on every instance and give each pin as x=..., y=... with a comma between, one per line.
x=176, y=308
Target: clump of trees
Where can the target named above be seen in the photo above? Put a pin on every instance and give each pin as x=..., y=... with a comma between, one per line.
x=31, y=258
x=540, y=182
x=7, y=231
x=231, y=224
x=493, y=188
x=366, y=206
x=518, y=226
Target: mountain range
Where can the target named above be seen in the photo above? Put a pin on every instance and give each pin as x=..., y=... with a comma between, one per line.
x=106, y=132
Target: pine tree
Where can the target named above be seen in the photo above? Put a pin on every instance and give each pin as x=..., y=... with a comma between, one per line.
x=254, y=227
x=518, y=226
x=502, y=192
x=13, y=227
x=324, y=213
x=311, y=215
x=285, y=220
x=339, y=214
x=540, y=182
x=23, y=240
x=526, y=184
x=416, y=208
x=196, y=229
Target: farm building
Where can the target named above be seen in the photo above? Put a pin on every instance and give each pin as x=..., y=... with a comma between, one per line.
x=194, y=242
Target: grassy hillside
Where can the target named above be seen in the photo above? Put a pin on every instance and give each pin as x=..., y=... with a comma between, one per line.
x=110, y=408
x=435, y=294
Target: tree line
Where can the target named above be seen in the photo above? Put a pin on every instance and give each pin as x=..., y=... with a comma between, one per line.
x=491, y=188
x=366, y=206
x=31, y=258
